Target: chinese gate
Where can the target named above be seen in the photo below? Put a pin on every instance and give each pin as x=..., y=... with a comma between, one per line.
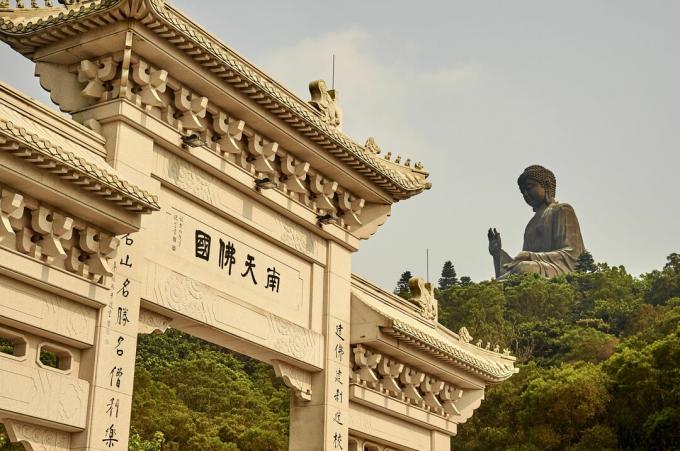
x=189, y=190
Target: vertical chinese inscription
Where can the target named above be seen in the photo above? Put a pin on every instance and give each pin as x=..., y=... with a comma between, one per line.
x=338, y=388
x=119, y=348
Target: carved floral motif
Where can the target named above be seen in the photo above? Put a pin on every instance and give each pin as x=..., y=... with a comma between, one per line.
x=37, y=437
x=295, y=378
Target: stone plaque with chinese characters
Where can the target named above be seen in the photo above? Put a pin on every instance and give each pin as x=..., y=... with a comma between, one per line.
x=237, y=263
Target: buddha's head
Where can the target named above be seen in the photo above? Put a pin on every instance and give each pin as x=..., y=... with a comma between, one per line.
x=538, y=185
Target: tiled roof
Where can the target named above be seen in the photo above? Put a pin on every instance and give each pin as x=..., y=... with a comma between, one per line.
x=26, y=34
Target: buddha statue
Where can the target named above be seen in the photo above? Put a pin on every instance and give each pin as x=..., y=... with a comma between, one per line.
x=552, y=238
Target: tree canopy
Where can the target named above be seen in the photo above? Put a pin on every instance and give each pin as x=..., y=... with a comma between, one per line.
x=448, y=277
x=598, y=352
x=402, y=289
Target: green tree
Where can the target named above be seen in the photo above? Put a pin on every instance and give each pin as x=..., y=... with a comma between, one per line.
x=598, y=351
x=448, y=277
x=402, y=289
x=586, y=262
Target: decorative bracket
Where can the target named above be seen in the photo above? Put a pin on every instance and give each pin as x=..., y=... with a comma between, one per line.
x=37, y=437
x=96, y=75
x=263, y=154
x=11, y=211
x=152, y=322
x=351, y=209
x=99, y=246
x=295, y=173
x=324, y=191
x=192, y=108
x=298, y=380
x=153, y=83
x=230, y=132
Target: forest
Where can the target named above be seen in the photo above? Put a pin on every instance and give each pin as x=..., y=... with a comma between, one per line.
x=598, y=352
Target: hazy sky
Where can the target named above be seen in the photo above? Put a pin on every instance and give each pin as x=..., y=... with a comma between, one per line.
x=477, y=91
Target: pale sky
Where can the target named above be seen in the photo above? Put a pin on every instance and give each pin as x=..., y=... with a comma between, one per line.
x=477, y=91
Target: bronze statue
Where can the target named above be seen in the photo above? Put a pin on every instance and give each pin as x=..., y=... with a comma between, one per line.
x=552, y=238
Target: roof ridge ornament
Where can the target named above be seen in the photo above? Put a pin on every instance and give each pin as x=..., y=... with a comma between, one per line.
x=422, y=295
x=35, y=4
x=325, y=101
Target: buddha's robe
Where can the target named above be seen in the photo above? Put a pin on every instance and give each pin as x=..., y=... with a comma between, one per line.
x=553, y=237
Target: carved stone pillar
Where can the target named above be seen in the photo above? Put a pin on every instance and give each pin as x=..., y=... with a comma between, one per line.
x=322, y=422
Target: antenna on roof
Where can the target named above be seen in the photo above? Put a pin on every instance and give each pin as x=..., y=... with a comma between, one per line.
x=333, y=76
x=427, y=263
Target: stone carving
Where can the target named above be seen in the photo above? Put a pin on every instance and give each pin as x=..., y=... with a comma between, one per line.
x=465, y=335
x=552, y=239
x=53, y=227
x=228, y=133
x=196, y=300
x=489, y=368
x=326, y=103
x=99, y=247
x=293, y=340
x=298, y=380
x=152, y=322
x=44, y=394
x=24, y=304
x=184, y=295
x=11, y=212
x=422, y=294
x=74, y=169
x=79, y=318
x=351, y=209
x=296, y=237
x=225, y=64
x=324, y=191
x=45, y=233
x=295, y=174
x=224, y=134
x=192, y=108
x=152, y=83
x=38, y=438
x=192, y=180
x=372, y=146
x=262, y=154
x=404, y=382
x=97, y=75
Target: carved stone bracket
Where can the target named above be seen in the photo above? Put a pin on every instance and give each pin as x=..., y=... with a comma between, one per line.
x=351, y=208
x=295, y=174
x=192, y=109
x=407, y=383
x=11, y=211
x=298, y=380
x=37, y=438
x=152, y=322
x=152, y=83
x=96, y=75
x=42, y=232
x=262, y=154
x=169, y=100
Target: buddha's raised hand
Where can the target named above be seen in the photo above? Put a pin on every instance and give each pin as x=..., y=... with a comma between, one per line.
x=495, y=245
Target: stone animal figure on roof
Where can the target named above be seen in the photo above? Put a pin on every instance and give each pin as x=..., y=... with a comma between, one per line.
x=326, y=102
x=552, y=238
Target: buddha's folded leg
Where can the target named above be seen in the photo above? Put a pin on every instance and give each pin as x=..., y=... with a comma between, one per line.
x=525, y=267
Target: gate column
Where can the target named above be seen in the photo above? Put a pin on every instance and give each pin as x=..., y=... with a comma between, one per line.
x=322, y=423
